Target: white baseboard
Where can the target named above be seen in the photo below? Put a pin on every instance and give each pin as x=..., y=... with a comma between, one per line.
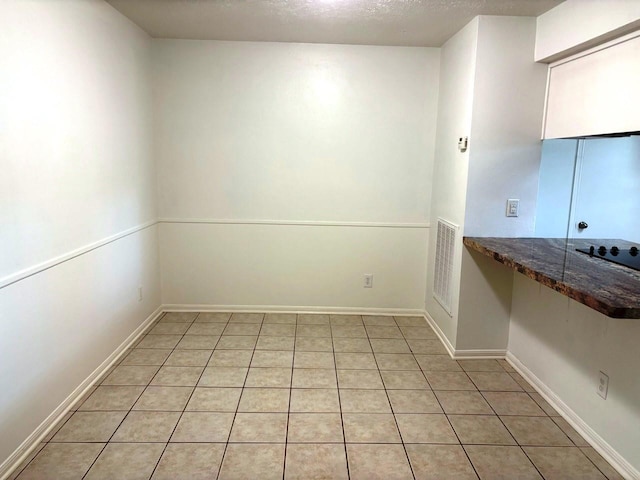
x=616, y=460
x=443, y=338
x=479, y=354
x=398, y=312
x=32, y=441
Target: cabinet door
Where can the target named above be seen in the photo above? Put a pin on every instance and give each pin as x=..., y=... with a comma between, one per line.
x=595, y=93
x=607, y=189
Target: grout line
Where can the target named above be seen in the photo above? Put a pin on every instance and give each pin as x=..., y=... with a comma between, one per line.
x=293, y=360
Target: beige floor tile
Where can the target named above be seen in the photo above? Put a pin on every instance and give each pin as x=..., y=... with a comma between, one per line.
x=389, y=345
x=313, y=344
x=241, y=329
x=62, y=461
x=513, y=403
x=112, y=398
x=259, y=427
x=267, y=462
x=601, y=463
x=56, y=428
x=426, y=346
x=396, y=361
x=169, y=329
x=179, y=317
x=355, y=361
x=370, y=428
x=352, y=345
x=275, y=343
x=147, y=356
x=506, y=365
x=378, y=462
x=83, y=398
x=422, y=333
x=272, y=358
x=18, y=470
x=168, y=399
x=361, y=379
x=147, y=427
x=411, y=321
x=437, y=363
x=269, y=377
x=177, y=376
x=89, y=427
x=247, y=318
x=348, y=331
x=131, y=375
x=345, y=320
x=280, y=318
x=575, y=437
x=315, y=428
x=214, y=317
x=481, y=430
x=264, y=400
x=536, y=431
x=319, y=461
x=450, y=381
x=223, y=377
x=526, y=386
x=425, y=428
x=488, y=365
x=501, y=463
x=378, y=320
x=440, y=462
x=381, y=331
x=313, y=319
x=561, y=463
x=215, y=329
x=544, y=405
x=314, y=378
x=314, y=360
x=413, y=401
x=159, y=341
x=237, y=342
x=313, y=331
x=454, y=402
x=189, y=358
x=203, y=427
x=314, y=400
x=278, y=330
x=193, y=461
x=214, y=400
x=400, y=379
x=364, y=401
x=132, y=461
x=198, y=342
x=231, y=358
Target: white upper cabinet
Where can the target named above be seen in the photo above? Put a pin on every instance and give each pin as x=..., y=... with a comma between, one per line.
x=595, y=92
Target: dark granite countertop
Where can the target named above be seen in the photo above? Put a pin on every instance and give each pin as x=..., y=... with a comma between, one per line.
x=604, y=286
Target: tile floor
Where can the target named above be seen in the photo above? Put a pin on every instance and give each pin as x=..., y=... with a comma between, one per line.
x=255, y=396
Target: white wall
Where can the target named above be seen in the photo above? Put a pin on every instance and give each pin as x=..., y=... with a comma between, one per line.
x=295, y=133
x=457, y=73
x=555, y=187
x=77, y=169
x=576, y=25
x=505, y=134
x=565, y=344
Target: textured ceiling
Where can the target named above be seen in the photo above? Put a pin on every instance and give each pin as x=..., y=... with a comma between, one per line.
x=366, y=22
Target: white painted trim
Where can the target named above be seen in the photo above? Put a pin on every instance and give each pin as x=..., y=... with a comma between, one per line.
x=590, y=51
x=396, y=312
x=220, y=221
x=46, y=265
x=441, y=336
x=479, y=354
x=616, y=460
x=32, y=441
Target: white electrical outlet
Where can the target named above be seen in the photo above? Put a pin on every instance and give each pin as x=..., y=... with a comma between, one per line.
x=513, y=207
x=603, y=385
x=368, y=280
x=140, y=293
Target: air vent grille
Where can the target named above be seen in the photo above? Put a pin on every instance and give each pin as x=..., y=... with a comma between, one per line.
x=443, y=274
